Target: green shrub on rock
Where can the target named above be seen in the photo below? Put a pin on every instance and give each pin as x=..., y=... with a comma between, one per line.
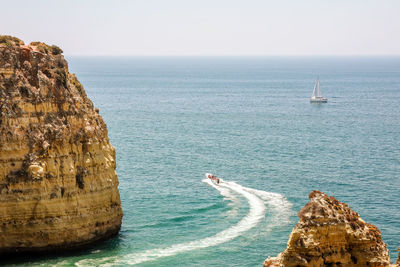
x=10, y=40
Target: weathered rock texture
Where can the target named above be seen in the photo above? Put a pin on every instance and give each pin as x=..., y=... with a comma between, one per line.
x=329, y=233
x=398, y=259
x=58, y=185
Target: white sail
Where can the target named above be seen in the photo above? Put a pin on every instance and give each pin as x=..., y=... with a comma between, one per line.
x=313, y=92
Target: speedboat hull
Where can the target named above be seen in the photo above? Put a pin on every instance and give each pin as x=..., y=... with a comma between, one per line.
x=213, y=178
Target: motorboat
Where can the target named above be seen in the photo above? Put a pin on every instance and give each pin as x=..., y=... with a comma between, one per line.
x=213, y=178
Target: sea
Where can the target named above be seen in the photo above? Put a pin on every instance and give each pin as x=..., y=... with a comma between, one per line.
x=249, y=120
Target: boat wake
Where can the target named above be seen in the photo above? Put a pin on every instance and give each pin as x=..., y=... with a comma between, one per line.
x=257, y=200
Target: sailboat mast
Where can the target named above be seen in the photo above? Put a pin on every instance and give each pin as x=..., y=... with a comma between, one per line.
x=318, y=93
x=319, y=89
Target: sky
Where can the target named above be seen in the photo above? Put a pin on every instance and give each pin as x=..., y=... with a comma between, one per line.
x=207, y=27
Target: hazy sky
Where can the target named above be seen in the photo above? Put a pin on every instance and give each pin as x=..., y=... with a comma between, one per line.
x=208, y=27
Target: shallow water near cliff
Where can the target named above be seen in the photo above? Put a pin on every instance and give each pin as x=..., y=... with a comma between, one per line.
x=250, y=121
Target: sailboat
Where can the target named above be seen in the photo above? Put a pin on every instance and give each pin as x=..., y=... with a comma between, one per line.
x=317, y=94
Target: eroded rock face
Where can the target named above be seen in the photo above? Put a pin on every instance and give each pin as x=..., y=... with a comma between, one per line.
x=398, y=259
x=329, y=233
x=58, y=185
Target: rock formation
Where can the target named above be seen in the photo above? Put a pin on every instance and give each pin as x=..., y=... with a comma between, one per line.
x=58, y=185
x=329, y=233
x=398, y=259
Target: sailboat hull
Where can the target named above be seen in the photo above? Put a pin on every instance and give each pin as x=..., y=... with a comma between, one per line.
x=319, y=100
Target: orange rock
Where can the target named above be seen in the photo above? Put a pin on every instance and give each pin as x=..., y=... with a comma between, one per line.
x=58, y=185
x=329, y=233
x=398, y=258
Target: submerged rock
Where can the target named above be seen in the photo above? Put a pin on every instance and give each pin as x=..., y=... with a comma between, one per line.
x=329, y=233
x=58, y=185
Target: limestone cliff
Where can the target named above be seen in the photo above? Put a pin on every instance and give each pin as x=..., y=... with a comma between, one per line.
x=329, y=233
x=58, y=185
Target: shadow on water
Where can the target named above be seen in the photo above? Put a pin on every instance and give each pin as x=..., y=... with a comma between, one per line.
x=26, y=258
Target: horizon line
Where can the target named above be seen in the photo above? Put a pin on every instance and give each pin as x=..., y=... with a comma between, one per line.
x=260, y=55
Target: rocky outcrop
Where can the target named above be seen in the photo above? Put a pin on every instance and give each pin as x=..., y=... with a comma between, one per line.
x=329, y=233
x=58, y=185
x=398, y=259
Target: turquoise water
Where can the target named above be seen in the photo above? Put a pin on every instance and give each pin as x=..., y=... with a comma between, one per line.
x=250, y=121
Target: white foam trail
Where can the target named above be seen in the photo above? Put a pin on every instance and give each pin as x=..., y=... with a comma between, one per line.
x=278, y=204
x=253, y=217
x=226, y=193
